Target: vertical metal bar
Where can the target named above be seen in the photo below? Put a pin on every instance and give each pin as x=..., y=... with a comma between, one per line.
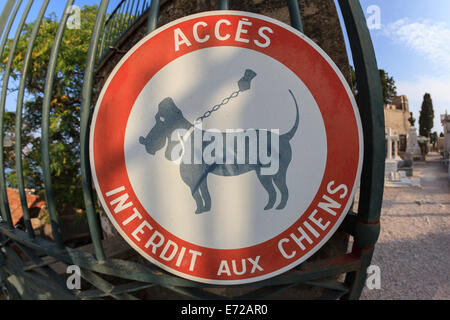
x=12, y=50
x=119, y=15
x=144, y=6
x=119, y=18
x=45, y=126
x=102, y=44
x=152, y=22
x=108, y=27
x=18, y=123
x=223, y=4
x=111, y=24
x=130, y=15
x=294, y=13
x=84, y=132
x=370, y=103
x=111, y=30
x=137, y=10
x=123, y=19
x=5, y=15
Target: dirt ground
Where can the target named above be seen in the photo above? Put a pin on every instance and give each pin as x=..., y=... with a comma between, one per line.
x=413, y=250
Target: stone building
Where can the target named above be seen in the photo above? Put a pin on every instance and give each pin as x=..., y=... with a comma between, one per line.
x=396, y=116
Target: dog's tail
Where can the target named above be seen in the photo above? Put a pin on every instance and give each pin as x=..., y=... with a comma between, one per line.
x=289, y=135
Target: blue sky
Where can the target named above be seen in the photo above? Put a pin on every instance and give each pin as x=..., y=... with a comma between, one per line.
x=412, y=45
x=55, y=6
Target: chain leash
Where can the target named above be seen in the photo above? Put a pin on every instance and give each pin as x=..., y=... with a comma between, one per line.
x=208, y=113
x=244, y=85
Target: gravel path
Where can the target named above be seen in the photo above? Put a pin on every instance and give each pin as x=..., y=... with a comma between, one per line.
x=413, y=251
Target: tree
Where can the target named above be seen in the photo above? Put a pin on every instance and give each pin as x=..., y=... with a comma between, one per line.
x=426, y=118
x=387, y=85
x=65, y=108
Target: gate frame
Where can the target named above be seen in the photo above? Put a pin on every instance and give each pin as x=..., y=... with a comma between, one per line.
x=364, y=225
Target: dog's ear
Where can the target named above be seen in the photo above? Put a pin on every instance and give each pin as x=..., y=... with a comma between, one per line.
x=168, y=109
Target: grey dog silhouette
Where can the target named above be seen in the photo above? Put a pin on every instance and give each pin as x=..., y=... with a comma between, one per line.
x=170, y=118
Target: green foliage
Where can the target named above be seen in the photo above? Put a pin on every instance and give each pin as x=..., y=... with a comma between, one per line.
x=65, y=107
x=387, y=84
x=426, y=119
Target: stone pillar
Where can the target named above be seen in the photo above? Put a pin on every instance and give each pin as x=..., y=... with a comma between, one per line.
x=396, y=140
x=413, y=151
x=391, y=164
x=395, y=148
x=389, y=144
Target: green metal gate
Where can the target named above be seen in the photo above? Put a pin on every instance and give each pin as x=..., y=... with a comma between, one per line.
x=25, y=258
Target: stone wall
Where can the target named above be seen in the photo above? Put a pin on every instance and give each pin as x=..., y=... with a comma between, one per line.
x=397, y=120
x=396, y=115
x=321, y=24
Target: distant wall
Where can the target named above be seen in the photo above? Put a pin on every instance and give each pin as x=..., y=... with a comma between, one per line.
x=396, y=115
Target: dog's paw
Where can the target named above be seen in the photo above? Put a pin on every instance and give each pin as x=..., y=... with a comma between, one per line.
x=201, y=210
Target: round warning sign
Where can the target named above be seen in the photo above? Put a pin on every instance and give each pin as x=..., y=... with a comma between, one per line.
x=226, y=147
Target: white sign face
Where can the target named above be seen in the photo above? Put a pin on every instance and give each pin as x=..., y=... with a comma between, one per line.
x=243, y=195
x=226, y=147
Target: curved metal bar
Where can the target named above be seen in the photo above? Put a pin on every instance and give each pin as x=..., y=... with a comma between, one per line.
x=84, y=132
x=371, y=110
x=45, y=126
x=370, y=103
x=8, y=27
x=151, y=274
x=5, y=15
x=153, y=14
x=12, y=51
x=223, y=4
x=6, y=216
x=295, y=15
x=18, y=123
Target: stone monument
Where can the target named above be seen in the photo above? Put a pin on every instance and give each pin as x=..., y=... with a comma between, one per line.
x=445, y=120
x=391, y=164
x=413, y=151
x=398, y=173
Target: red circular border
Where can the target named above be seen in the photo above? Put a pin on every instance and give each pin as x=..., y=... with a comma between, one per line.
x=287, y=47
